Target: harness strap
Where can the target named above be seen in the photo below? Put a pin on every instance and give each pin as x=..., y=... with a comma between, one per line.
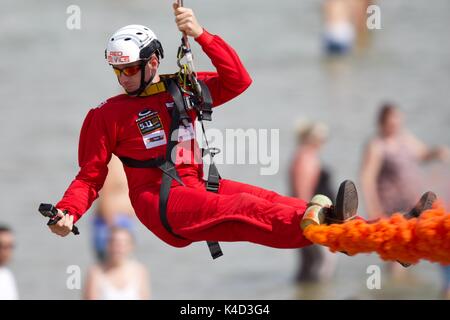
x=180, y=110
x=180, y=105
x=163, y=199
x=207, y=103
x=213, y=182
x=167, y=166
x=151, y=163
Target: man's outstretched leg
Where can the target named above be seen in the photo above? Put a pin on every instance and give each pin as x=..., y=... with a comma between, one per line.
x=344, y=208
x=229, y=187
x=241, y=216
x=198, y=215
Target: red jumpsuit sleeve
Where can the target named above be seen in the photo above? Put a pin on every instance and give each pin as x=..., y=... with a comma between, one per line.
x=94, y=154
x=231, y=78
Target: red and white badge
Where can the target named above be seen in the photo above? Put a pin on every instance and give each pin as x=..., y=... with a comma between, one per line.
x=151, y=128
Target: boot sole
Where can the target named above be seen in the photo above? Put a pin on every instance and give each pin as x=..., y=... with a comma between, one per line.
x=425, y=203
x=346, y=203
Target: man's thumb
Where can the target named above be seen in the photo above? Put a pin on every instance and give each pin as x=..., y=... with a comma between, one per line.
x=60, y=214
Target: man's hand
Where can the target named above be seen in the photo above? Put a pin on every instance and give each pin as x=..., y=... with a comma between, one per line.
x=64, y=226
x=186, y=21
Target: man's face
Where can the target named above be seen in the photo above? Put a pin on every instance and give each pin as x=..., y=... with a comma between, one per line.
x=132, y=81
x=6, y=247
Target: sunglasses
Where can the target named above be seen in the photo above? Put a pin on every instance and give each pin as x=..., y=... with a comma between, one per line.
x=128, y=71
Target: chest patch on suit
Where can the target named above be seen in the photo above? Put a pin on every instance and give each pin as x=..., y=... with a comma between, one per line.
x=151, y=128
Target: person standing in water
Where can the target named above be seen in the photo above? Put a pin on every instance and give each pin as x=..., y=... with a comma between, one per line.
x=8, y=287
x=344, y=26
x=310, y=177
x=113, y=209
x=390, y=172
x=118, y=277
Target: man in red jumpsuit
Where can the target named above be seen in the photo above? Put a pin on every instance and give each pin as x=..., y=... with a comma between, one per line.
x=136, y=125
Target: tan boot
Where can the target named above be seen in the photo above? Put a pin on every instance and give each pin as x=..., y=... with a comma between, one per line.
x=316, y=211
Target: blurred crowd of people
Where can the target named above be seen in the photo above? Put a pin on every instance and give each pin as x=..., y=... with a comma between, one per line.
x=390, y=176
x=116, y=275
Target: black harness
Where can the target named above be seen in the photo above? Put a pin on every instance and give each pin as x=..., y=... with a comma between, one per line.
x=203, y=107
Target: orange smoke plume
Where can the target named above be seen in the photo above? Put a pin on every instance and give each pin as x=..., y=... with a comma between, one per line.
x=395, y=238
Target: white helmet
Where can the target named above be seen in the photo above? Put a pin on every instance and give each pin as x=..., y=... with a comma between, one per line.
x=132, y=43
